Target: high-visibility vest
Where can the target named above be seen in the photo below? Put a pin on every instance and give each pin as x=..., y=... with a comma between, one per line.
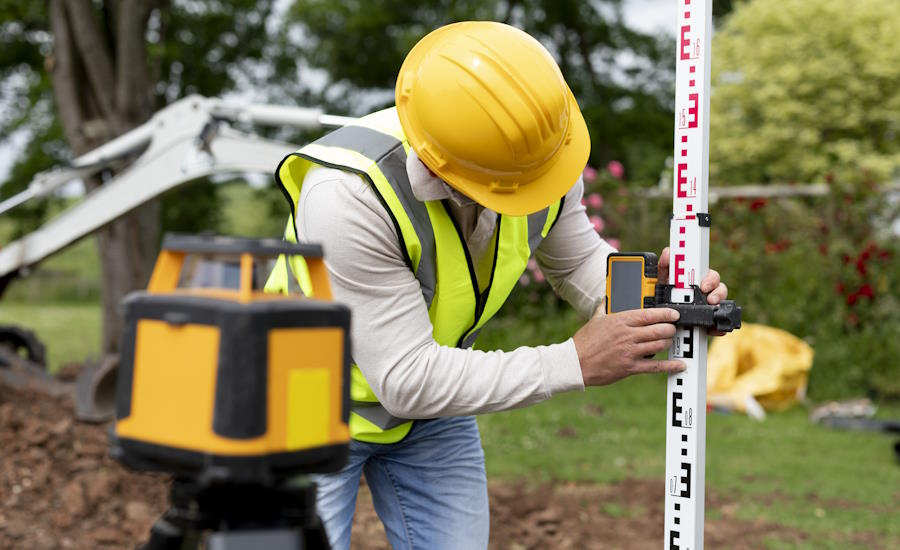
x=432, y=243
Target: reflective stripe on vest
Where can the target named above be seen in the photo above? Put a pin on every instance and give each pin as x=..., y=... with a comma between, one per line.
x=430, y=239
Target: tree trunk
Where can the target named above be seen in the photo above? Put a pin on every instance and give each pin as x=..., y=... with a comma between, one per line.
x=127, y=249
x=101, y=93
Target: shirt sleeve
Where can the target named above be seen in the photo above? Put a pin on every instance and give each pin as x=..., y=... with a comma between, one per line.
x=412, y=375
x=573, y=256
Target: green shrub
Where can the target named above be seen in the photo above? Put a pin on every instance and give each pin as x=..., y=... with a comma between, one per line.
x=792, y=104
x=825, y=269
x=822, y=270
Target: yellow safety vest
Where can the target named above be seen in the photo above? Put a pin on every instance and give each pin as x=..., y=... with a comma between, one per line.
x=375, y=148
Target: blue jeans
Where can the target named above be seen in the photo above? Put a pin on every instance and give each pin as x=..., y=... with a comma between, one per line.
x=429, y=490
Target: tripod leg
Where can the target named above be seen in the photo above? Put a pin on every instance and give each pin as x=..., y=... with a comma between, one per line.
x=315, y=537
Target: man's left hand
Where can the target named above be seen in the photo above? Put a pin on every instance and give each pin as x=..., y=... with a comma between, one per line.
x=711, y=285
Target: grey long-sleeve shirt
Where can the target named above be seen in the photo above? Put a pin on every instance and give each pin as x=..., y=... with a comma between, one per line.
x=412, y=375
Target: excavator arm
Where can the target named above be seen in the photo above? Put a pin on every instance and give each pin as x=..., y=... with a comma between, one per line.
x=188, y=140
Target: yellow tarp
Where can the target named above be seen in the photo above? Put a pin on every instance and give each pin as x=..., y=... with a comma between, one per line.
x=757, y=366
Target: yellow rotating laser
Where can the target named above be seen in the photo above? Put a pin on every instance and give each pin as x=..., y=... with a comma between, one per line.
x=221, y=381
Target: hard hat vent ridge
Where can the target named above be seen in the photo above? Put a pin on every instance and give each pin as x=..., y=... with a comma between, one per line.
x=520, y=142
x=538, y=108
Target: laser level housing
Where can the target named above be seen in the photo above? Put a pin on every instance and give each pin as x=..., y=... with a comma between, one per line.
x=220, y=381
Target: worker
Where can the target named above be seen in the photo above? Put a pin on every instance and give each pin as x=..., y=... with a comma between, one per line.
x=428, y=213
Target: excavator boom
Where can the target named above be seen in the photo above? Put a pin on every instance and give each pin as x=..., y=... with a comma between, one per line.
x=188, y=140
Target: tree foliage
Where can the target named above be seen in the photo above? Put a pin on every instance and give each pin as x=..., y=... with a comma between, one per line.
x=622, y=79
x=806, y=91
x=810, y=92
x=209, y=48
x=76, y=73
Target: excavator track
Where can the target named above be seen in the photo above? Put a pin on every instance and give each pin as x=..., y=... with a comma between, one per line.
x=23, y=343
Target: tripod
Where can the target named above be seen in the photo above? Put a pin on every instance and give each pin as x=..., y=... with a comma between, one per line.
x=239, y=517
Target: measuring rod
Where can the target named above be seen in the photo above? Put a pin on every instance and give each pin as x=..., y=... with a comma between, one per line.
x=689, y=249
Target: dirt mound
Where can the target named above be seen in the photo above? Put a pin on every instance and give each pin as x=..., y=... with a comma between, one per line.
x=59, y=489
x=628, y=515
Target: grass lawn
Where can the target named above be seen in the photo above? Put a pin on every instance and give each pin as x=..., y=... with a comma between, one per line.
x=71, y=332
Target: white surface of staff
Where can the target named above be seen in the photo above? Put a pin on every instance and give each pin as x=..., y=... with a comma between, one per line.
x=689, y=246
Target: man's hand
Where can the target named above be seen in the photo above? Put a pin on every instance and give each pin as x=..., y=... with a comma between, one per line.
x=711, y=285
x=611, y=347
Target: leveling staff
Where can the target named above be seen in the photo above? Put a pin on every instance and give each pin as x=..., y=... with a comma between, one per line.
x=429, y=213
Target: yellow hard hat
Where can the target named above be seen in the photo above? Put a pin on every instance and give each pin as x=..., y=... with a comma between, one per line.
x=486, y=108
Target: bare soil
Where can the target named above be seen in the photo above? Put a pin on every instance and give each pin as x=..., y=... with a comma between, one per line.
x=627, y=515
x=59, y=489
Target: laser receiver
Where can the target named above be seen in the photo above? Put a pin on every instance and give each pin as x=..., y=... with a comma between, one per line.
x=632, y=283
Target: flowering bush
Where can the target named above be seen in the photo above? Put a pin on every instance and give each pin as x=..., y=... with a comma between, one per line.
x=825, y=269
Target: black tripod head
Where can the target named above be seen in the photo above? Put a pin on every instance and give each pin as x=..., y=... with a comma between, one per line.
x=240, y=517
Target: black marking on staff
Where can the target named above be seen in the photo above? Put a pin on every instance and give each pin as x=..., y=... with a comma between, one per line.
x=687, y=344
x=673, y=539
x=685, y=478
x=676, y=409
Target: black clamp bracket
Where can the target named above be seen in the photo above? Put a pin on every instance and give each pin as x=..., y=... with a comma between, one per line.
x=703, y=219
x=724, y=316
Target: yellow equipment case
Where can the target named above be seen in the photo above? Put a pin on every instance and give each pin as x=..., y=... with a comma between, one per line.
x=220, y=381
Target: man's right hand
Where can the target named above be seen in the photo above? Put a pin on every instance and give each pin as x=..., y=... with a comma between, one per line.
x=611, y=347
